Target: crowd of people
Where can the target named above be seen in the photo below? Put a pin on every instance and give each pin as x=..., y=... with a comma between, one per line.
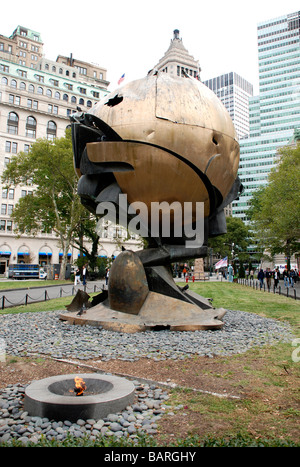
x=289, y=276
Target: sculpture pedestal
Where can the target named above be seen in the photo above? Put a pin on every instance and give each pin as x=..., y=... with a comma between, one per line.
x=158, y=312
x=144, y=298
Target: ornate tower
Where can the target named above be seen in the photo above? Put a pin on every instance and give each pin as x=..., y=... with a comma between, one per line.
x=177, y=60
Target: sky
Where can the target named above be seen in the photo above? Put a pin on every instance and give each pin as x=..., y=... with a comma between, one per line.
x=131, y=36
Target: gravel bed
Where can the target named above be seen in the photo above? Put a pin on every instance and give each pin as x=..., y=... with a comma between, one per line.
x=139, y=418
x=43, y=334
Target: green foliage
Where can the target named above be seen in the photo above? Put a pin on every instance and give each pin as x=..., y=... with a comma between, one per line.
x=237, y=233
x=238, y=440
x=275, y=209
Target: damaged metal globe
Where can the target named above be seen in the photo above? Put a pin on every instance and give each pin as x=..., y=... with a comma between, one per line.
x=165, y=142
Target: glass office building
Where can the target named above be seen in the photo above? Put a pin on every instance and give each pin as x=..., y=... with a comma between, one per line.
x=274, y=114
x=234, y=92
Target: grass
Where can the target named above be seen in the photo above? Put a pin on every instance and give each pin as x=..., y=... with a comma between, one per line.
x=233, y=296
x=141, y=441
x=266, y=415
x=20, y=284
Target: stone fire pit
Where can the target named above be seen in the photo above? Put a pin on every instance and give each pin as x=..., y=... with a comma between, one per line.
x=56, y=397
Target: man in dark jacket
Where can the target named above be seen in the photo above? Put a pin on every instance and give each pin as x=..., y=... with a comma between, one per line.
x=260, y=277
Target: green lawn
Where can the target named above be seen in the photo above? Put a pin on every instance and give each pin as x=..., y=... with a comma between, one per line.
x=5, y=285
x=235, y=296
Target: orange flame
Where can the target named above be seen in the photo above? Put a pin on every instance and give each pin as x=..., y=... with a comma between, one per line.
x=80, y=386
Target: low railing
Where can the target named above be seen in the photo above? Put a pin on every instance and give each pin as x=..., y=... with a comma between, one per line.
x=7, y=303
x=255, y=284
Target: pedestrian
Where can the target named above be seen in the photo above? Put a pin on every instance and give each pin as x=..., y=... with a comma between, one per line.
x=106, y=276
x=230, y=273
x=292, y=277
x=286, y=278
x=276, y=277
x=268, y=277
x=251, y=275
x=77, y=277
x=260, y=277
x=84, y=274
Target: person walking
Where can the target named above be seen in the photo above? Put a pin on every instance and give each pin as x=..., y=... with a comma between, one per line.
x=77, y=277
x=268, y=278
x=106, y=276
x=292, y=277
x=276, y=277
x=260, y=277
x=286, y=278
x=84, y=274
x=230, y=273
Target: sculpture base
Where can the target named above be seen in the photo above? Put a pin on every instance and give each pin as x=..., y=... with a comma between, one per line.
x=158, y=312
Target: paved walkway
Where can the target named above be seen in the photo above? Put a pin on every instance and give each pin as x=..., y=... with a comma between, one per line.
x=31, y=294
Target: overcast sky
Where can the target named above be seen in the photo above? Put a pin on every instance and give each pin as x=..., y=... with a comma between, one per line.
x=130, y=36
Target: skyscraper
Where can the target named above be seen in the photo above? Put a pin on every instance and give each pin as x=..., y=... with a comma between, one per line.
x=275, y=113
x=234, y=92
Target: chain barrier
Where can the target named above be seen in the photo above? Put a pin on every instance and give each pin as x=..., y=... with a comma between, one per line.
x=256, y=285
x=44, y=297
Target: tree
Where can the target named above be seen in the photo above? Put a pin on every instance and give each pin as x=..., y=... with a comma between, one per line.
x=275, y=209
x=54, y=203
x=235, y=242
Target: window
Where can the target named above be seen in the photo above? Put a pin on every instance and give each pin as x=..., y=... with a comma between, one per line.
x=13, y=83
x=2, y=224
x=10, y=208
x=73, y=100
x=26, y=148
x=3, y=209
x=81, y=101
x=4, y=193
x=11, y=193
x=82, y=70
x=22, y=85
x=31, y=88
x=22, y=73
x=4, y=80
x=65, y=97
x=30, y=127
x=57, y=95
x=12, y=123
x=49, y=93
x=51, y=130
x=89, y=103
x=11, y=147
x=40, y=90
x=9, y=225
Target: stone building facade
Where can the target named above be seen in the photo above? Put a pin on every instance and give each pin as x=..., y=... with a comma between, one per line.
x=37, y=97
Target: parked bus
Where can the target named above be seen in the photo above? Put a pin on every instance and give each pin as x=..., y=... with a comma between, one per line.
x=26, y=271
